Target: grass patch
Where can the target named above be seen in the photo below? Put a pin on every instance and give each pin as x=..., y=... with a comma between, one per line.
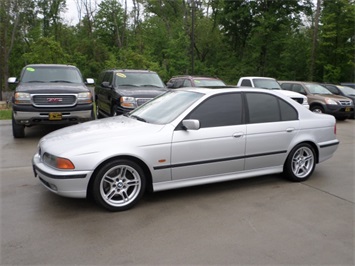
x=5, y=114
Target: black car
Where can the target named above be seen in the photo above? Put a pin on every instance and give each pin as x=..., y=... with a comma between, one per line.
x=343, y=91
x=119, y=91
x=50, y=94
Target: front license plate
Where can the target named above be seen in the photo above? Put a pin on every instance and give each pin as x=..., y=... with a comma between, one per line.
x=347, y=109
x=55, y=116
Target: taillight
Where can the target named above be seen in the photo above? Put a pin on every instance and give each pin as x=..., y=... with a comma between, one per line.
x=335, y=129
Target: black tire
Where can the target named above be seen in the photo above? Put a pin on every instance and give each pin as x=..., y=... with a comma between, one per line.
x=119, y=185
x=97, y=111
x=317, y=109
x=18, y=131
x=300, y=163
x=114, y=110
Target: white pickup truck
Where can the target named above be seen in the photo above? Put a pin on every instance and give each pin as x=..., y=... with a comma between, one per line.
x=271, y=84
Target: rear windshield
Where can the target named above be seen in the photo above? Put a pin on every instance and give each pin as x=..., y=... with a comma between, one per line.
x=208, y=83
x=47, y=74
x=269, y=84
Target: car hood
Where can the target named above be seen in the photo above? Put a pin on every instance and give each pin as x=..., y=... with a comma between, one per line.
x=140, y=92
x=51, y=87
x=330, y=96
x=94, y=136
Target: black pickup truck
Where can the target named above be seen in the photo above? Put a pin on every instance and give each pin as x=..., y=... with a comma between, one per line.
x=50, y=94
x=119, y=91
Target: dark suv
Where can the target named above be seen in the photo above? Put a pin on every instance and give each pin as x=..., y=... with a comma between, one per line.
x=50, y=94
x=321, y=100
x=119, y=91
x=194, y=81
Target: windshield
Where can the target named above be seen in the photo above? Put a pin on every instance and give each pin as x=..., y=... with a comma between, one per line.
x=317, y=89
x=138, y=79
x=166, y=107
x=48, y=74
x=269, y=84
x=347, y=90
x=208, y=83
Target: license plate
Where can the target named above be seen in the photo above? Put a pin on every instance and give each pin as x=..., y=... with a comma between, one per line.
x=55, y=116
x=347, y=109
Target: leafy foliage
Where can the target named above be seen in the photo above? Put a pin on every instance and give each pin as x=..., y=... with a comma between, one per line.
x=224, y=38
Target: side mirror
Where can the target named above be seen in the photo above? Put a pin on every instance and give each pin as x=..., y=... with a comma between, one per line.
x=191, y=124
x=90, y=81
x=12, y=80
x=170, y=85
x=106, y=84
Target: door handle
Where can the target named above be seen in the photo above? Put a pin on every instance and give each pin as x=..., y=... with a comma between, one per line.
x=290, y=129
x=238, y=135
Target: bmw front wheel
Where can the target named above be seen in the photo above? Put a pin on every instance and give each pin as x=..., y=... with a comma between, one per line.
x=119, y=185
x=300, y=163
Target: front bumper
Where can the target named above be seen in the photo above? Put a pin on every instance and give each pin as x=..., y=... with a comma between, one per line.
x=35, y=118
x=339, y=111
x=71, y=184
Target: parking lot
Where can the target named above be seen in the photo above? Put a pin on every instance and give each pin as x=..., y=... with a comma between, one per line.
x=259, y=221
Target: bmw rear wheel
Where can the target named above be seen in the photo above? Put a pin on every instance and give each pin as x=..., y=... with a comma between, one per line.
x=300, y=163
x=119, y=185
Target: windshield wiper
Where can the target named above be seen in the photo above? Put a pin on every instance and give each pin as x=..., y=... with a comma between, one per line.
x=147, y=85
x=64, y=81
x=138, y=118
x=35, y=81
x=131, y=85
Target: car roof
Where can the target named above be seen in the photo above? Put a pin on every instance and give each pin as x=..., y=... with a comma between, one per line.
x=299, y=82
x=194, y=77
x=210, y=91
x=49, y=65
x=252, y=77
x=131, y=70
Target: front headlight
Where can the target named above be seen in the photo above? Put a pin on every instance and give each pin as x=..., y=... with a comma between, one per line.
x=84, y=97
x=330, y=101
x=57, y=162
x=128, y=102
x=22, y=98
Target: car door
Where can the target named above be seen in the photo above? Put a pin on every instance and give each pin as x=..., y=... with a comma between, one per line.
x=272, y=124
x=108, y=92
x=218, y=146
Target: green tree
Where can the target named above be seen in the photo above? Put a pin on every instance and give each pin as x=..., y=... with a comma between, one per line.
x=46, y=51
x=337, y=41
x=110, y=23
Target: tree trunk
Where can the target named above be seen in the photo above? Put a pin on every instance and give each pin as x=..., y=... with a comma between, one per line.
x=314, y=41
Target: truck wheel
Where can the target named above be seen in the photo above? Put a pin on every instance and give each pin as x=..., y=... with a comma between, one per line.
x=98, y=115
x=18, y=131
x=114, y=110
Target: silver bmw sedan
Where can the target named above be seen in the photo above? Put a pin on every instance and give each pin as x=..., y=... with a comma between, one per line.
x=185, y=137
